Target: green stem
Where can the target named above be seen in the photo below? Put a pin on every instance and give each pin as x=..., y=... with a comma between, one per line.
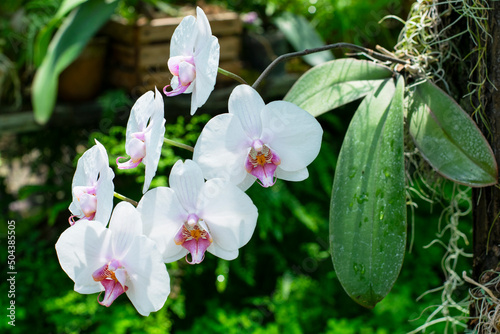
x=369, y=52
x=232, y=76
x=124, y=198
x=177, y=144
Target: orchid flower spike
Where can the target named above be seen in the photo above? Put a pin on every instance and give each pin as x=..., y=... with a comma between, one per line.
x=144, y=137
x=194, y=216
x=258, y=141
x=92, y=186
x=115, y=260
x=194, y=59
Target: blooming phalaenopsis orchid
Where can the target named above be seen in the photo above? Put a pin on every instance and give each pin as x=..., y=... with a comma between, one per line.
x=194, y=216
x=115, y=260
x=258, y=141
x=92, y=186
x=194, y=59
x=144, y=137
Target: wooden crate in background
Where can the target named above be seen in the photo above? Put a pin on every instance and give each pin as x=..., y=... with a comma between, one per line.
x=140, y=51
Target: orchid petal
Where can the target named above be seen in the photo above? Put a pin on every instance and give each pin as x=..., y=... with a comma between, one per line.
x=246, y=104
x=129, y=164
x=229, y=213
x=221, y=148
x=207, y=64
x=149, y=284
x=186, y=179
x=298, y=175
x=154, y=140
x=93, y=171
x=224, y=254
x=203, y=29
x=81, y=250
x=163, y=215
x=184, y=37
x=126, y=224
x=292, y=132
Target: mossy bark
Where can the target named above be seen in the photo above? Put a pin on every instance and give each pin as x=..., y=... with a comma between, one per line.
x=486, y=201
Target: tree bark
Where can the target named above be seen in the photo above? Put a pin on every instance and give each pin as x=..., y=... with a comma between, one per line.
x=486, y=201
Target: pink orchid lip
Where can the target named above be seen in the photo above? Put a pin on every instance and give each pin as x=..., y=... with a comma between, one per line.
x=112, y=276
x=184, y=68
x=87, y=199
x=194, y=236
x=136, y=149
x=262, y=162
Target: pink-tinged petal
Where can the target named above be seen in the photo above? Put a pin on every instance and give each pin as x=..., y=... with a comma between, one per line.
x=197, y=249
x=126, y=224
x=175, y=91
x=82, y=249
x=136, y=149
x=88, y=204
x=222, y=148
x=293, y=133
x=186, y=179
x=265, y=174
x=154, y=140
x=207, y=64
x=163, y=215
x=229, y=213
x=184, y=37
x=173, y=64
x=112, y=289
x=148, y=281
x=246, y=104
x=128, y=164
x=187, y=73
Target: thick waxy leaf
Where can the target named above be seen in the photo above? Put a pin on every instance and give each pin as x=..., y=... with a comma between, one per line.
x=64, y=48
x=448, y=138
x=368, y=208
x=335, y=83
x=301, y=34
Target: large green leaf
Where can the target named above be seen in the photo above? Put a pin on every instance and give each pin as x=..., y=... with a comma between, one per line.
x=448, y=138
x=301, y=34
x=368, y=207
x=335, y=83
x=44, y=36
x=64, y=48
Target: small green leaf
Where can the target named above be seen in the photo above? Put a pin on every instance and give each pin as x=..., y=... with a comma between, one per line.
x=65, y=47
x=335, y=83
x=449, y=139
x=368, y=208
x=301, y=35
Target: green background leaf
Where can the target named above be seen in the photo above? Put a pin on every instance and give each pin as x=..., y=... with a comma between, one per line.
x=448, y=138
x=301, y=35
x=368, y=207
x=65, y=47
x=335, y=83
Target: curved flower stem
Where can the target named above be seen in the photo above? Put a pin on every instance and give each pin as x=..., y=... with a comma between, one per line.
x=369, y=52
x=232, y=76
x=124, y=198
x=177, y=144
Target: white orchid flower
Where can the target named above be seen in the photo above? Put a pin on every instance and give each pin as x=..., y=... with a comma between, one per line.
x=258, y=141
x=194, y=216
x=115, y=260
x=92, y=186
x=145, y=134
x=194, y=59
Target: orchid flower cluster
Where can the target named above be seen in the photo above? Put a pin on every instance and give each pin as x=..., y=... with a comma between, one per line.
x=205, y=208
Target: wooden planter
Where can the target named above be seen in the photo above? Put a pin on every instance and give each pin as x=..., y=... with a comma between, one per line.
x=139, y=52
